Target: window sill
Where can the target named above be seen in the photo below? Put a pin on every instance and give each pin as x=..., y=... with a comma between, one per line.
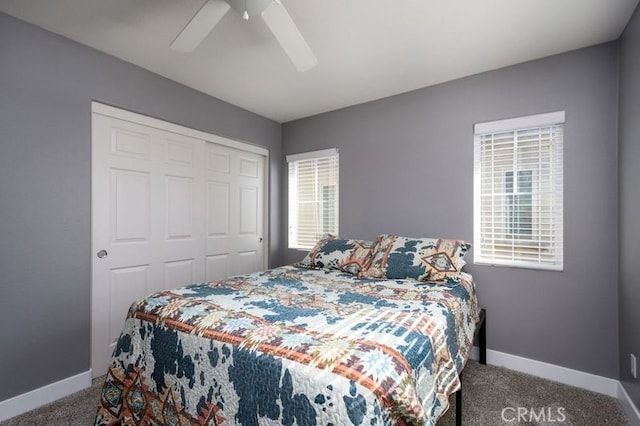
x=520, y=265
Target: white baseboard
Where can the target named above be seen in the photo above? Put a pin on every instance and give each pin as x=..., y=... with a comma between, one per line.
x=38, y=397
x=629, y=407
x=579, y=379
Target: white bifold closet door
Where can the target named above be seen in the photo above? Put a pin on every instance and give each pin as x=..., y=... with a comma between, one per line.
x=168, y=210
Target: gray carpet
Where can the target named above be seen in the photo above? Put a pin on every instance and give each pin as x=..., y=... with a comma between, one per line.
x=488, y=393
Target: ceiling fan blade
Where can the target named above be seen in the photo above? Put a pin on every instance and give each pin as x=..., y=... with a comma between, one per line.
x=200, y=25
x=286, y=32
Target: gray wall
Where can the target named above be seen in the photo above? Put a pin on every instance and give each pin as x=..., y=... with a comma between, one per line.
x=406, y=167
x=629, y=120
x=46, y=87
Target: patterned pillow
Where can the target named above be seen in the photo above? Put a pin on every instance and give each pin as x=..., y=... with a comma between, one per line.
x=331, y=252
x=423, y=259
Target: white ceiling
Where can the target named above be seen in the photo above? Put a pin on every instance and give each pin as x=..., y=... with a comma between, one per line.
x=366, y=49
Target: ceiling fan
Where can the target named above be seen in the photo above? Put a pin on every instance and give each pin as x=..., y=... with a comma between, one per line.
x=272, y=11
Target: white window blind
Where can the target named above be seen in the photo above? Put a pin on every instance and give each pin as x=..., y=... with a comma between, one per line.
x=313, y=197
x=518, y=192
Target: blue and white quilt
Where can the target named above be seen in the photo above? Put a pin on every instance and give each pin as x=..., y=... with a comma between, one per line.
x=292, y=346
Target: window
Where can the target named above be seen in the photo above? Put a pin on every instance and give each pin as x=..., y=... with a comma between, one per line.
x=518, y=192
x=329, y=211
x=519, y=218
x=313, y=197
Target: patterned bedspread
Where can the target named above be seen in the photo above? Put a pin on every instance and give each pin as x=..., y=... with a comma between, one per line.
x=291, y=346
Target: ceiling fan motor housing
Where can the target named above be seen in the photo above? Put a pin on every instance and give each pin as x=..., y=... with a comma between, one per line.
x=252, y=7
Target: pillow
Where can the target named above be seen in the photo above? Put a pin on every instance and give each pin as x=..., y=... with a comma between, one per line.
x=422, y=259
x=331, y=252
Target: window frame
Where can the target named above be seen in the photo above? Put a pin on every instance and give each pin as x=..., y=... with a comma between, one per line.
x=486, y=253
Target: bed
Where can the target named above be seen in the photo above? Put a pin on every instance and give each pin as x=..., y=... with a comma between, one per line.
x=327, y=342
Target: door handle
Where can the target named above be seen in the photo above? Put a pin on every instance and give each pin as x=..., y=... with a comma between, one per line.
x=102, y=253
x=260, y=239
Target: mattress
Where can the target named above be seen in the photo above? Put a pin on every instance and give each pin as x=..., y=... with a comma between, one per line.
x=292, y=346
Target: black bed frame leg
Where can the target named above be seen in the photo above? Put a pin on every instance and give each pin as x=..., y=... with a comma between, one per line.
x=459, y=407
x=482, y=337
